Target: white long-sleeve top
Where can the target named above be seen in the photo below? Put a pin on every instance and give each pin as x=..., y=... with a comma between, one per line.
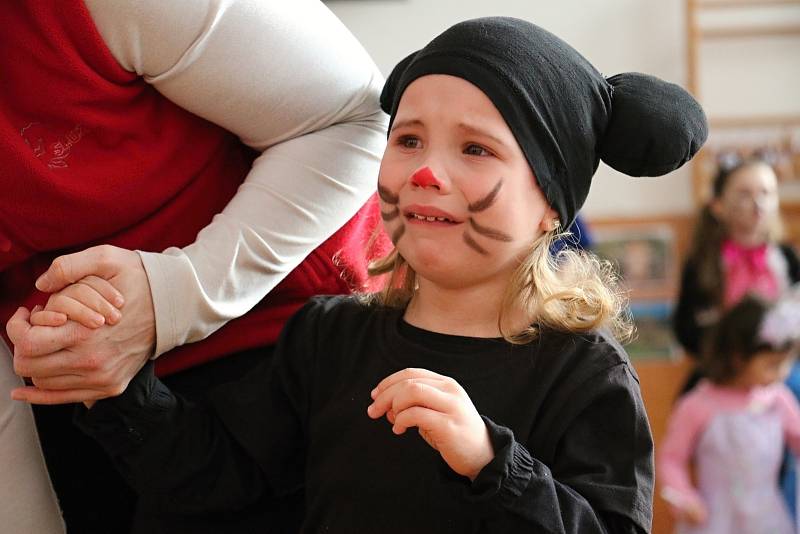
x=293, y=83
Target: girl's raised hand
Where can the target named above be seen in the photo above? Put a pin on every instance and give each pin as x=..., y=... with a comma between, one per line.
x=91, y=301
x=442, y=412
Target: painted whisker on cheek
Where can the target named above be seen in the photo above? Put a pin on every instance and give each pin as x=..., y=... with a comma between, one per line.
x=491, y=233
x=387, y=196
x=484, y=203
x=390, y=215
x=397, y=234
x=391, y=198
x=479, y=205
x=471, y=242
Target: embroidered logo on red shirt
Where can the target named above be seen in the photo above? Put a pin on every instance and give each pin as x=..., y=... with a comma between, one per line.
x=53, y=152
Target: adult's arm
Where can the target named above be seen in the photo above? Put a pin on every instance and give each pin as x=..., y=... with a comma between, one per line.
x=291, y=81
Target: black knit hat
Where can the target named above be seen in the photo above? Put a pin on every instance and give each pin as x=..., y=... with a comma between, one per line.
x=564, y=114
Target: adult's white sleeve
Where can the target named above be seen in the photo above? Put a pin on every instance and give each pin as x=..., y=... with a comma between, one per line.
x=292, y=82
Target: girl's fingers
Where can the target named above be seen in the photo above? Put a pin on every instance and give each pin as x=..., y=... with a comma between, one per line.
x=405, y=374
x=47, y=318
x=96, y=294
x=75, y=309
x=427, y=392
x=419, y=417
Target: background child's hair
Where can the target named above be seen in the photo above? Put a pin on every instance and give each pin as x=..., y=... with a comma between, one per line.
x=710, y=232
x=571, y=291
x=735, y=339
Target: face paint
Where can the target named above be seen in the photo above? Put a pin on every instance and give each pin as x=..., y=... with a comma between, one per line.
x=387, y=196
x=397, y=234
x=391, y=198
x=390, y=215
x=473, y=244
x=424, y=178
x=482, y=205
x=489, y=232
x=488, y=200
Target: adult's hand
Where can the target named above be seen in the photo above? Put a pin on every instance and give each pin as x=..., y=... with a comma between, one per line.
x=72, y=363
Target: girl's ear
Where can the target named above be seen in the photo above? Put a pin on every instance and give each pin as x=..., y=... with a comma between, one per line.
x=550, y=220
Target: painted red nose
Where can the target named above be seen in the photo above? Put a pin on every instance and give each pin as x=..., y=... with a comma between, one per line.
x=424, y=178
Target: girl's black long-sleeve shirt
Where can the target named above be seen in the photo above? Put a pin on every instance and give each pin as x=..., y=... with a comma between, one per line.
x=573, y=449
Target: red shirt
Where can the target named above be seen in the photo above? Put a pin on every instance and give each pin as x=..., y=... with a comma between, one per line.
x=105, y=158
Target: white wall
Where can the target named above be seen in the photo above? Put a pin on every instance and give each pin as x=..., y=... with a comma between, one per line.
x=615, y=35
x=753, y=75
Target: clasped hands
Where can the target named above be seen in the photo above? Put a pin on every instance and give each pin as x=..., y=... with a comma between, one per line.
x=81, y=346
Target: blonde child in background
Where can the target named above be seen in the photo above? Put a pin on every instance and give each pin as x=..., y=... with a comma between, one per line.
x=528, y=413
x=734, y=424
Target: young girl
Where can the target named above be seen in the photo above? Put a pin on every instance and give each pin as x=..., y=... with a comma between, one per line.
x=736, y=250
x=733, y=426
x=528, y=413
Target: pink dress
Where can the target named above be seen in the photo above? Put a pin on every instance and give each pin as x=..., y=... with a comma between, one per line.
x=735, y=438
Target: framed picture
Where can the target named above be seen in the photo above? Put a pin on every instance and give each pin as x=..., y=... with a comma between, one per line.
x=644, y=255
x=654, y=338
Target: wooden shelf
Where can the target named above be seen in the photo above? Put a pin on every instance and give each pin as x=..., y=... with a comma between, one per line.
x=696, y=33
x=699, y=33
x=736, y=32
x=754, y=121
x=724, y=4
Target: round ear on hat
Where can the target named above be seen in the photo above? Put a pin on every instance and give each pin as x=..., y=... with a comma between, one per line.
x=655, y=126
x=390, y=87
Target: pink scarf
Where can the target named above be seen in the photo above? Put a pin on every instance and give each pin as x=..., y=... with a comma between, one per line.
x=746, y=271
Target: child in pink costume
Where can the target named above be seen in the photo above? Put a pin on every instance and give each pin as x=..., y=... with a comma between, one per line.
x=733, y=426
